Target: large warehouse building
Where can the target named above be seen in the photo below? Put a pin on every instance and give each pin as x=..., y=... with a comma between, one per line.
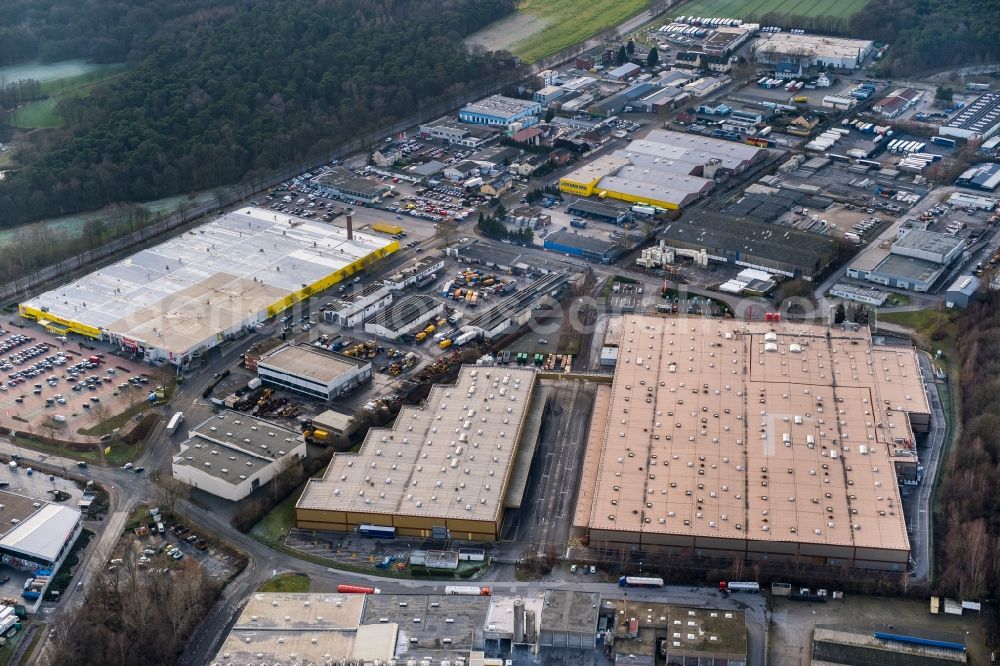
x=811, y=50
x=173, y=301
x=753, y=440
x=752, y=244
x=442, y=466
x=501, y=110
x=667, y=169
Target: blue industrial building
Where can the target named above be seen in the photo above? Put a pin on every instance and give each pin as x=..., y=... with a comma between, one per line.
x=575, y=245
x=501, y=110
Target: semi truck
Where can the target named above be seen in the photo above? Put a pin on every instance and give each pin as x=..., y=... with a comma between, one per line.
x=467, y=590
x=175, y=422
x=466, y=338
x=737, y=586
x=357, y=589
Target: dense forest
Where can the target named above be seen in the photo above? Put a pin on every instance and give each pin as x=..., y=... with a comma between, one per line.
x=930, y=35
x=967, y=519
x=245, y=88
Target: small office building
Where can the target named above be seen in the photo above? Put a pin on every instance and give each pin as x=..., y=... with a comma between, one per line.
x=312, y=372
x=353, y=309
x=233, y=454
x=413, y=273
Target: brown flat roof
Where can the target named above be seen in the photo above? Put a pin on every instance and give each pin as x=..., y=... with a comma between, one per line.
x=450, y=458
x=754, y=431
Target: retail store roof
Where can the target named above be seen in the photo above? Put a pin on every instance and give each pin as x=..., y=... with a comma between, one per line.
x=599, y=168
x=43, y=533
x=210, y=279
x=756, y=431
x=449, y=458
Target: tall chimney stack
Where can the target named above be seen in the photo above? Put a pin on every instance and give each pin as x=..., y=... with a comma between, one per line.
x=350, y=224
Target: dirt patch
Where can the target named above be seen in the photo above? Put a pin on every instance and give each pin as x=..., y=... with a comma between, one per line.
x=503, y=34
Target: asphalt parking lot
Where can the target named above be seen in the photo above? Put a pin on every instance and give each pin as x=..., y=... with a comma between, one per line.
x=44, y=377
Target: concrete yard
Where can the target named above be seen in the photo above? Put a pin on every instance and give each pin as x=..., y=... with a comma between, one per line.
x=792, y=624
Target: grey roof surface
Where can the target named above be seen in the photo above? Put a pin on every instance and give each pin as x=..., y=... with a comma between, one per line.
x=346, y=180
x=928, y=241
x=308, y=361
x=900, y=267
x=238, y=443
x=404, y=311
x=591, y=207
x=753, y=238
x=569, y=611
x=966, y=284
x=426, y=637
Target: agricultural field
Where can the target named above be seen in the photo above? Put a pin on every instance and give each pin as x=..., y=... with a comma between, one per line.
x=755, y=9
x=543, y=27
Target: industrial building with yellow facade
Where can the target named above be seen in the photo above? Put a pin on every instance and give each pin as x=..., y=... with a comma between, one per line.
x=753, y=440
x=669, y=170
x=442, y=467
x=171, y=302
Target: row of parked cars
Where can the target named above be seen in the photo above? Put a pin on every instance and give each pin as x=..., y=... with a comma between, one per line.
x=24, y=355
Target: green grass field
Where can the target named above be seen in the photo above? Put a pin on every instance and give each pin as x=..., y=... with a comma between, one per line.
x=42, y=114
x=571, y=22
x=293, y=582
x=755, y=9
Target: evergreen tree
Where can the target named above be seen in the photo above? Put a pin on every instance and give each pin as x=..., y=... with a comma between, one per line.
x=653, y=58
x=630, y=47
x=622, y=55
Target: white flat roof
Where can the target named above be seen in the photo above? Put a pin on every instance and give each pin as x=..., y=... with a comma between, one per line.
x=208, y=280
x=44, y=533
